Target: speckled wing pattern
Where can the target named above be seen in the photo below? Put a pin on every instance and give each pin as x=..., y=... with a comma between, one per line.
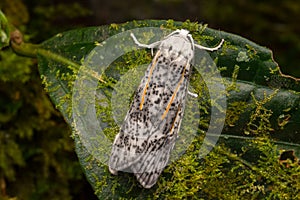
x=151, y=125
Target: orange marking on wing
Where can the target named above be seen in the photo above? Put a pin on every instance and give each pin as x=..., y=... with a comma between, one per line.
x=147, y=84
x=174, y=94
x=173, y=125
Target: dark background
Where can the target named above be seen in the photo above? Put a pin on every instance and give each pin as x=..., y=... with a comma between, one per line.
x=37, y=159
x=274, y=24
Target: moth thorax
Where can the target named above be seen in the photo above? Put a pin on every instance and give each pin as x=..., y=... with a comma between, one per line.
x=177, y=46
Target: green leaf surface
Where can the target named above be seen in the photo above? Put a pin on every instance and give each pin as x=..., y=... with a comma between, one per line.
x=261, y=101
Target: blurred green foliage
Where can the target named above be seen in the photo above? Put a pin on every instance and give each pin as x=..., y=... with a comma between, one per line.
x=4, y=31
x=37, y=157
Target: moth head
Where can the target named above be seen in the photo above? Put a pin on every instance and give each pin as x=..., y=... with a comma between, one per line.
x=183, y=32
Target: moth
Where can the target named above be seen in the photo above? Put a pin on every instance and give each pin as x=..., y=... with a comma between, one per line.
x=153, y=121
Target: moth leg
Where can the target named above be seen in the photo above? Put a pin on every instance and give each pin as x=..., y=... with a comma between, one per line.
x=208, y=48
x=193, y=94
x=112, y=171
x=149, y=46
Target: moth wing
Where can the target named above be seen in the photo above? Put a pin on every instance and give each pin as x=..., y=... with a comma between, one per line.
x=149, y=131
x=132, y=139
x=167, y=86
x=149, y=166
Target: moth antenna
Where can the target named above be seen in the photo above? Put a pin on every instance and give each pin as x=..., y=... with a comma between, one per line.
x=208, y=48
x=149, y=46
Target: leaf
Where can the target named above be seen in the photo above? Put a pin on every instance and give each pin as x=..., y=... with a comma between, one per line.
x=261, y=101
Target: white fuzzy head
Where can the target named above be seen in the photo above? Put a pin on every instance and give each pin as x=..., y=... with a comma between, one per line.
x=179, y=42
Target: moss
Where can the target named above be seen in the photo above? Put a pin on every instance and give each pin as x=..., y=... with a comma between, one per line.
x=222, y=174
x=237, y=167
x=234, y=110
x=259, y=122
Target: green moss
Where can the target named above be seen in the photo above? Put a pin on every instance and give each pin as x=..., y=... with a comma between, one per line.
x=224, y=173
x=259, y=122
x=237, y=167
x=234, y=110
